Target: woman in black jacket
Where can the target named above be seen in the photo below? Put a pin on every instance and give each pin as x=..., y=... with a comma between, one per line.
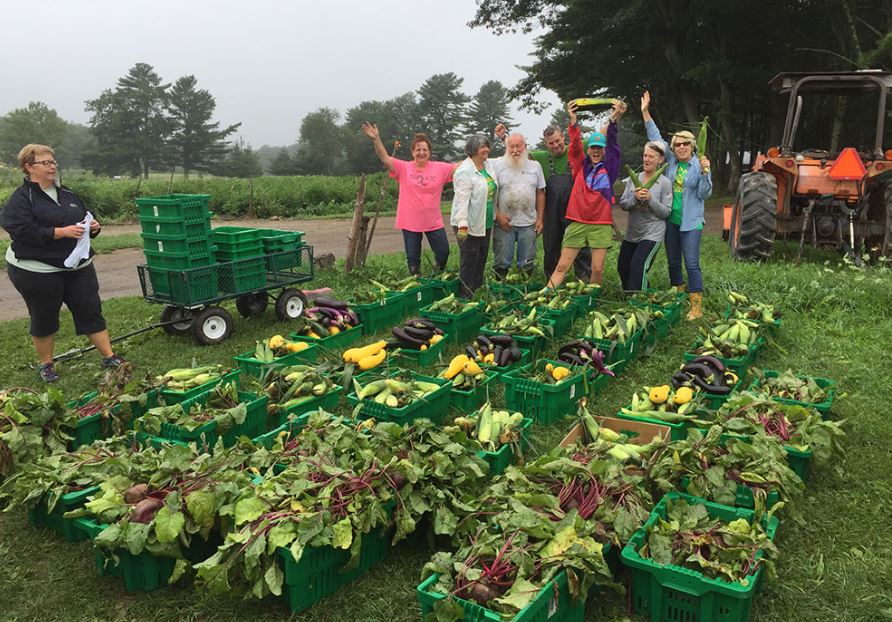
x=49, y=261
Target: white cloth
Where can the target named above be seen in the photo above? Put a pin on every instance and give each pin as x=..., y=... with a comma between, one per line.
x=82, y=248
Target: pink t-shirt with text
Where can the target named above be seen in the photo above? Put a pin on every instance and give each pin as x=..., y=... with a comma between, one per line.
x=418, y=208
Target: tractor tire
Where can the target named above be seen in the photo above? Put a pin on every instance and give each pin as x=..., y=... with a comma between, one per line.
x=754, y=218
x=886, y=249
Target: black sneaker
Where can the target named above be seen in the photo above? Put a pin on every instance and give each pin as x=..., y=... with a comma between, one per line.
x=48, y=373
x=115, y=360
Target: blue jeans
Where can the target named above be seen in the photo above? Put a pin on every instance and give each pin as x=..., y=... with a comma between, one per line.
x=503, y=248
x=684, y=244
x=439, y=244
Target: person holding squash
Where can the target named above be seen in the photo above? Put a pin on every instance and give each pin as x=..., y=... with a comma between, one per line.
x=691, y=185
x=590, y=208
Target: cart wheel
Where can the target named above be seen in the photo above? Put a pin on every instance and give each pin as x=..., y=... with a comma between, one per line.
x=212, y=325
x=290, y=304
x=251, y=304
x=170, y=313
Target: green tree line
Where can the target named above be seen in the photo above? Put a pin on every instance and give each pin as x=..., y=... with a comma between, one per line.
x=697, y=58
x=145, y=125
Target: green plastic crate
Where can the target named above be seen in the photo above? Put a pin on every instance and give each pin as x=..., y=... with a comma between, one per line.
x=144, y=572
x=319, y=572
x=434, y=407
x=333, y=342
x=505, y=291
x=588, y=302
x=525, y=358
x=383, y=314
x=293, y=425
x=275, y=240
x=824, y=407
x=553, y=603
x=533, y=343
x=170, y=396
x=166, y=243
x=442, y=288
x=504, y=456
x=254, y=424
x=738, y=365
x=95, y=427
x=459, y=326
x=618, y=355
x=55, y=521
x=563, y=319
x=677, y=431
x=328, y=402
x=237, y=236
x=183, y=287
x=470, y=401
x=545, y=403
x=170, y=260
x=176, y=226
x=744, y=497
x=283, y=260
x=188, y=208
x=416, y=359
x=244, y=275
x=259, y=369
x=666, y=592
x=417, y=297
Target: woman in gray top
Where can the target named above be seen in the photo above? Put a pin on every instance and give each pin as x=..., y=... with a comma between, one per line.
x=648, y=210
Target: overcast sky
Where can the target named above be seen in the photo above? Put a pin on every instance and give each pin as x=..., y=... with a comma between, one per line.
x=268, y=63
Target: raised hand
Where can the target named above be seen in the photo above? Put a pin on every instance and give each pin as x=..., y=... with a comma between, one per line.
x=645, y=102
x=571, y=110
x=619, y=109
x=370, y=130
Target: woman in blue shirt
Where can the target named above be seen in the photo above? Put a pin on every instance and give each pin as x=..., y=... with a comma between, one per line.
x=691, y=186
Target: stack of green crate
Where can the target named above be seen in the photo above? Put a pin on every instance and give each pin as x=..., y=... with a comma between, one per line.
x=241, y=264
x=178, y=248
x=282, y=248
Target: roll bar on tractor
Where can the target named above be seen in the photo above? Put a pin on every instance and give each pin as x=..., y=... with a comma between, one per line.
x=828, y=83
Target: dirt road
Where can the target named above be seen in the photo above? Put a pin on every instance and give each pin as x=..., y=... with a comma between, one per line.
x=118, y=276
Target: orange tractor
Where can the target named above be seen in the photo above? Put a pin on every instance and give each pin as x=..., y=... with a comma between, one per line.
x=839, y=196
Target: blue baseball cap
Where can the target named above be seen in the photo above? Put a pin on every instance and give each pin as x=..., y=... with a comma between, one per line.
x=596, y=139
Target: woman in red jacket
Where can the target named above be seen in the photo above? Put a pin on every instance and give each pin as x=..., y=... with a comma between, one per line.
x=590, y=208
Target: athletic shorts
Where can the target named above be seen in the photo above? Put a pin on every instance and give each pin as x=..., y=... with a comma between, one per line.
x=582, y=235
x=44, y=293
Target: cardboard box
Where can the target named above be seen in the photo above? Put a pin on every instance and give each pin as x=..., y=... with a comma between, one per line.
x=639, y=432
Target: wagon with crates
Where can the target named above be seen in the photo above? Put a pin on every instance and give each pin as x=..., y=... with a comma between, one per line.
x=191, y=268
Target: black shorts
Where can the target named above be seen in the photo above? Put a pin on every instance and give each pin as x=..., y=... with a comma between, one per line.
x=44, y=293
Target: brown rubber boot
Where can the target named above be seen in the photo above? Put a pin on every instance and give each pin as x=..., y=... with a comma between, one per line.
x=696, y=311
x=680, y=288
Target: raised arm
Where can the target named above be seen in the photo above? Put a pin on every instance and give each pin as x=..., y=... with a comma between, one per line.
x=574, y=134
x=371, y=130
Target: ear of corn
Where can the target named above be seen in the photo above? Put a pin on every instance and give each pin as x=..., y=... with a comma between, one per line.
x=701, y=137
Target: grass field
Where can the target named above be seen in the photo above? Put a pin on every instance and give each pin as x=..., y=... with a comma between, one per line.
x=836, y=543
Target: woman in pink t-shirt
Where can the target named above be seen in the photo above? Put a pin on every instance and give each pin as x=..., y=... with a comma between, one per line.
x=418, y=208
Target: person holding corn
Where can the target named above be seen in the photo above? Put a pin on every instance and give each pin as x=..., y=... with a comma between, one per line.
x=691, y=185
x=649, y=203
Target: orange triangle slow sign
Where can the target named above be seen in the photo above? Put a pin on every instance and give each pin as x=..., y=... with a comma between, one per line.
x=848, y=166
